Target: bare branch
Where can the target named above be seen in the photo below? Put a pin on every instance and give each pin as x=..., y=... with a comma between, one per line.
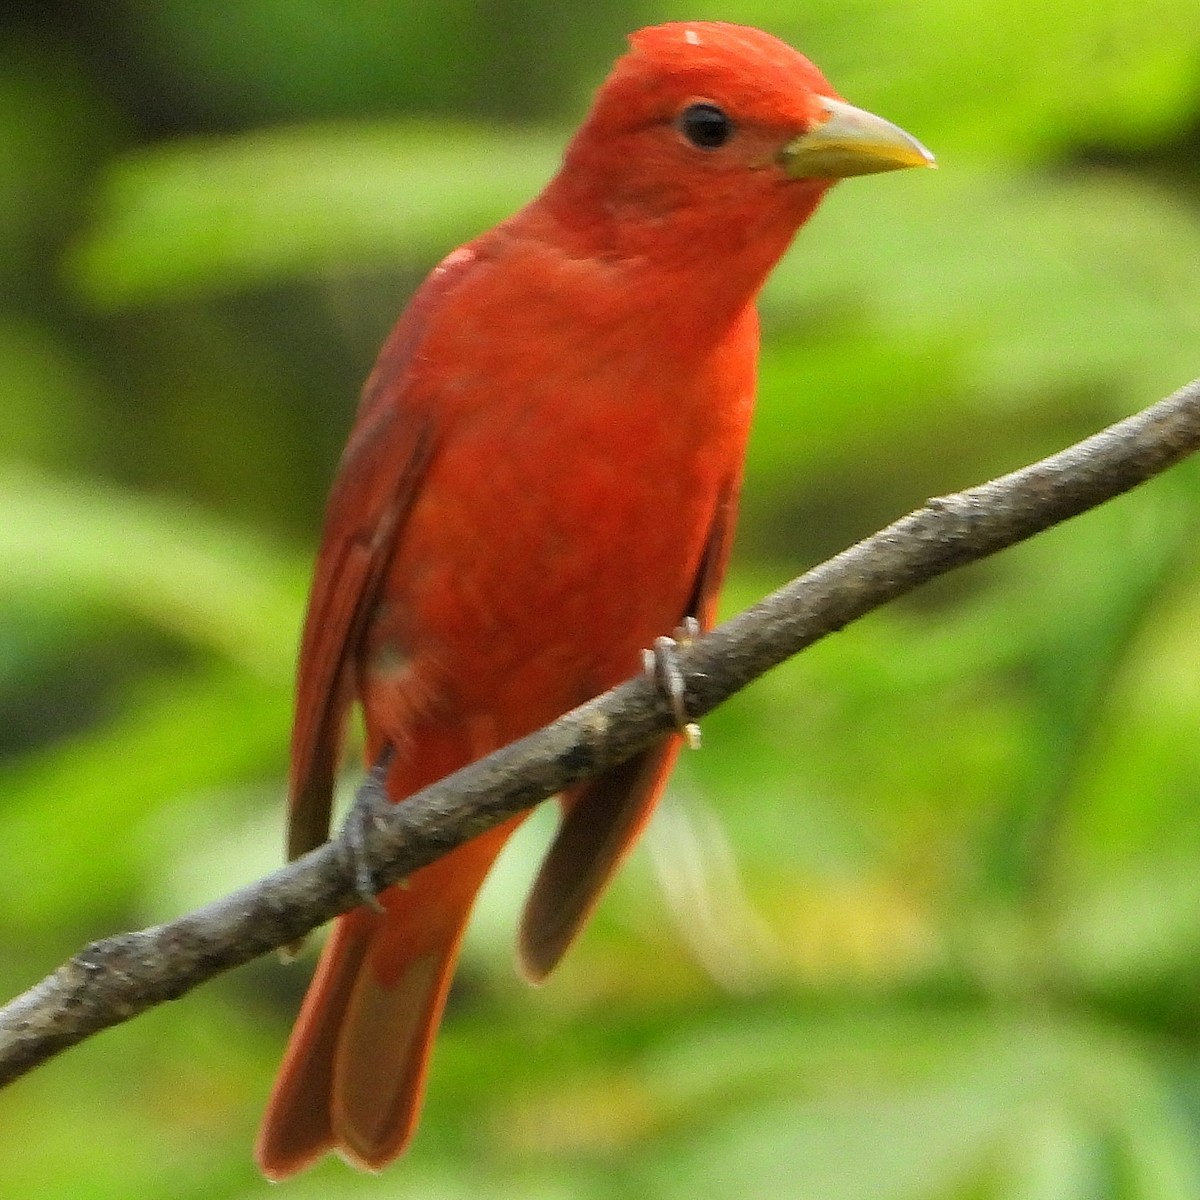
x=115, y=979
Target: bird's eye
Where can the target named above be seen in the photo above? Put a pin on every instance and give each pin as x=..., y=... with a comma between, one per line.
x=705, y=126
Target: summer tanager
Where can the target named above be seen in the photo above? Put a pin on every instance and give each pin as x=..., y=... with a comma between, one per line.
x=541, y=481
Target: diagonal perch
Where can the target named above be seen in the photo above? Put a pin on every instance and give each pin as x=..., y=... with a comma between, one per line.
x=117, y=978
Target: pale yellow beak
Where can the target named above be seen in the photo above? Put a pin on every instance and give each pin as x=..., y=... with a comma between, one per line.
x=851, y=141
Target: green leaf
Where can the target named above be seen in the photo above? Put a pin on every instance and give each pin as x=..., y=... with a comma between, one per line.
x=223, y=588
x=210, y=216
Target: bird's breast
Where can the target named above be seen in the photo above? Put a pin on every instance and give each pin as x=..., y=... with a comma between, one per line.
x=561, y=524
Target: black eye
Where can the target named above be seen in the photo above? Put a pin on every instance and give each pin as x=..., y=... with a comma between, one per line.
x=705, y=126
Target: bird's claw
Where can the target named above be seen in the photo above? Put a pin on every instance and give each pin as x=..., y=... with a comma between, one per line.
x=370, y=804
x=661, y=663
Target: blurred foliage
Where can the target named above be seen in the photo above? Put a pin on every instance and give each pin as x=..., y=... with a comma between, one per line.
x=923, y=920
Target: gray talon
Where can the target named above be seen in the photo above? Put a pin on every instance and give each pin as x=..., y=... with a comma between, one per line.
x=371, y=803
x=662, y=665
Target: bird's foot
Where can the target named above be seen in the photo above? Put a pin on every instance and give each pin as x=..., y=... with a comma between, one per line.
x=370, y=805
x=661, y=663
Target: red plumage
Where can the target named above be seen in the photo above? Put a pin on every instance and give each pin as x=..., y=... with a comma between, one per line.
x=542, y=479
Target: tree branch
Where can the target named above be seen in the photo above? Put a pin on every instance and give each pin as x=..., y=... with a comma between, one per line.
x=115, y=979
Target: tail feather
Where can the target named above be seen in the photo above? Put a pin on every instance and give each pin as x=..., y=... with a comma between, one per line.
x=601, y=823
x=353, y=1076
x=382, y=1057
x=297, y=1128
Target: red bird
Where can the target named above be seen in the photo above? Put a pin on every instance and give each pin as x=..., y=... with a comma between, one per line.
x=542, y=479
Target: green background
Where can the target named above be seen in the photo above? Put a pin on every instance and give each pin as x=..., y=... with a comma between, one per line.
x=923, y=918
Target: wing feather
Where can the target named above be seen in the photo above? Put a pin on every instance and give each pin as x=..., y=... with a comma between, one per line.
x=378, y=481
x=603, y=818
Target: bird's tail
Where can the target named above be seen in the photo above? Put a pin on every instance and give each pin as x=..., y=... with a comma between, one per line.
x=354, y=1072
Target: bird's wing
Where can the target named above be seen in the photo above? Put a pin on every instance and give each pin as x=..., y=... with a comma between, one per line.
x=603, y=818
x=378, y=480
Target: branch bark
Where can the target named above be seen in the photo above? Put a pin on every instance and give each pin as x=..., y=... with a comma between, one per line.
x=115, y=979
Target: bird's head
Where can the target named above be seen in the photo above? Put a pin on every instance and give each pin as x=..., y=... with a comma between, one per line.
x=720, y=132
